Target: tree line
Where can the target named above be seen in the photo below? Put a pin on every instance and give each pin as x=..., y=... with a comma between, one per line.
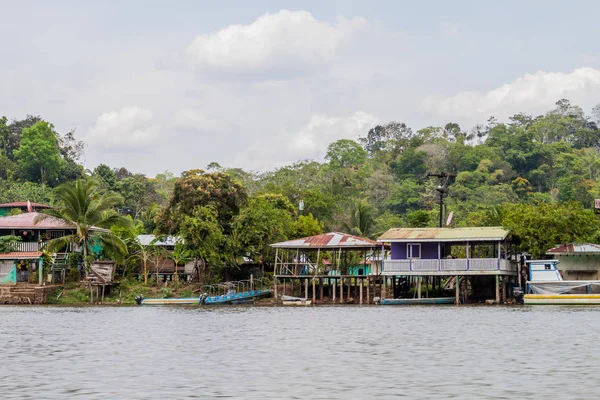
x=536, y=175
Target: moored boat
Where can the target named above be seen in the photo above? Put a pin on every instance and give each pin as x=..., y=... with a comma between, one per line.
x=546, y=286
x=429, y=300
x=230, y=298
x=295, y=301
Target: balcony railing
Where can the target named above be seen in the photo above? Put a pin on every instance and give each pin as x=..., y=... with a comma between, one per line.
x=391, y=267
x=29, y=246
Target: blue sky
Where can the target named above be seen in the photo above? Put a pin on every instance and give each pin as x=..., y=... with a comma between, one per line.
x=157, y=85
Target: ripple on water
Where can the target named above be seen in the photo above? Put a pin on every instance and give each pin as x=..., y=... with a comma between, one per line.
x=308, y=353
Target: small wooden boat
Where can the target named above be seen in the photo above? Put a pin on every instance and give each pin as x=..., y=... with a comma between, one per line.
x=430, y=300
x=230, y=298
x=295, y=301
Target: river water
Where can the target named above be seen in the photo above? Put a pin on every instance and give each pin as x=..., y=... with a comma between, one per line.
x=347, y=352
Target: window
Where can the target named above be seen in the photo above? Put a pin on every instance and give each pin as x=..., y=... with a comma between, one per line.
x=55, y=234
x=413, y=250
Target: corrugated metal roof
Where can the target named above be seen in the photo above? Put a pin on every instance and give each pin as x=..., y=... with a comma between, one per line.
x=331, y=240
x=575, y=248
x=21, y=255
x=24, y=204
x=27, y=221
x=145, y=240
x=443, y=234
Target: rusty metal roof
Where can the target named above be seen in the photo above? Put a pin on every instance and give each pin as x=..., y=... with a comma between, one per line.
x=24, y=204
x=27, y=221
x=481, y=234
x=575, y=248
x=331, y=240
x=21, y=255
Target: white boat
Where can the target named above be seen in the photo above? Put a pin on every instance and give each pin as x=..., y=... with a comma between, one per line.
x=295, y=301
x=546, y=286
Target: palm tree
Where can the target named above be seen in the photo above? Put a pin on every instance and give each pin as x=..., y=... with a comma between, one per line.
x=81, y=204
x=180, y=255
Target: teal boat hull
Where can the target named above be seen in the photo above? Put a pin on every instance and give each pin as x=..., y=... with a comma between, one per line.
x=232, y=298
x=431, y=300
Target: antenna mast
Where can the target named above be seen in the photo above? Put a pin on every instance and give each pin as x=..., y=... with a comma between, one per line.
x=442, y=189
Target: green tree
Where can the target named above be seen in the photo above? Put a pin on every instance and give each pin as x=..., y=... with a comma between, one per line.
x=538, y=227
x=418, y=218
x=38, y=155
x=80, y=204
x=345, y=153
x=259, y=225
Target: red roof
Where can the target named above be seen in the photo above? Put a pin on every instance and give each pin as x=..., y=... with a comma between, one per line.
x=21, y=255
x=572, y=248
x=331, y=240
x=27, y=221
x=24, y=204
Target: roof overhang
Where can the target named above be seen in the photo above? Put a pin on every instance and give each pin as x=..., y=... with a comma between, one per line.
x=422, y=235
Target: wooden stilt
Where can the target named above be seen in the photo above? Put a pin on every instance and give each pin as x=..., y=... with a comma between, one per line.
x=497, y=289
x=420, y=278
x=361, y=291
x=275, y=288
x=306, y=288
x=427, y=287
x=314, y=285
x=504, y=289
x=341, y=290
x=321, y=289
x=457, y=289
x=333, y=292
x=369, y=289
x=349, y=287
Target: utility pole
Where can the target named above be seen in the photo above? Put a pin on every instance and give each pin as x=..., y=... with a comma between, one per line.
x=442, y=189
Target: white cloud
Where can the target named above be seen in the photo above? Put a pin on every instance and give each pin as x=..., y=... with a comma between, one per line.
x=533, y=93
x=449, y=29
x=131, y=128
x=285, y=40
x=321, y=130
x=308, y=142
x=195, y=120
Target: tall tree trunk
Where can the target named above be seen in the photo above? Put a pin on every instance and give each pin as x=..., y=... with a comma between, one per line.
x=145, y=270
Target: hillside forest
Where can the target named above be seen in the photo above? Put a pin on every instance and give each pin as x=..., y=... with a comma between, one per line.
x=537, y=175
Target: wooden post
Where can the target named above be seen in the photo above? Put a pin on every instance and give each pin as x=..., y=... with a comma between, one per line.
x=283, y=286
x=275, y=287
x=361, y=291
x=341, y=290
x=457, y=289
x=306, y=288
x=498, y=289
x=321, y=289
x=420, y=278
x=40, y=271
x=349, y=287
x=333, y=291
x=314, y=284
x=369, y=289
x=504, y=289
x=427, y=287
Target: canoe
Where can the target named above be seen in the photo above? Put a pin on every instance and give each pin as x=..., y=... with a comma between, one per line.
x=301, y=302
x=295, y=301
x=430, y=300
x=230, y=298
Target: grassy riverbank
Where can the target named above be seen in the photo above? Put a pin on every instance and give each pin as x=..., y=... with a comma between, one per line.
x=74, y=293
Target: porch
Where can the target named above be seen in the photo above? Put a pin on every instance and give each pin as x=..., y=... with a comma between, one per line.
x=449, y=266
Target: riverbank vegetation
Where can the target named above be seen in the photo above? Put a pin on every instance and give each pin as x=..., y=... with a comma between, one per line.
x=536, y=175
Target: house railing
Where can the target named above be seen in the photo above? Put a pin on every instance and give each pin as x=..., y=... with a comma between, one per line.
x=29, y=246
x=391, y=267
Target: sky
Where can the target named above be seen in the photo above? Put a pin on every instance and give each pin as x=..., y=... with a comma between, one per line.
x=156, y=85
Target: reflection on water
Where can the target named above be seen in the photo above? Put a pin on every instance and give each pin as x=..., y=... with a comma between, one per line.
x=308, y=353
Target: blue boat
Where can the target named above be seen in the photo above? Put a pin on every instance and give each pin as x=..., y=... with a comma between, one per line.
x=430, y=300
x=229, y=298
